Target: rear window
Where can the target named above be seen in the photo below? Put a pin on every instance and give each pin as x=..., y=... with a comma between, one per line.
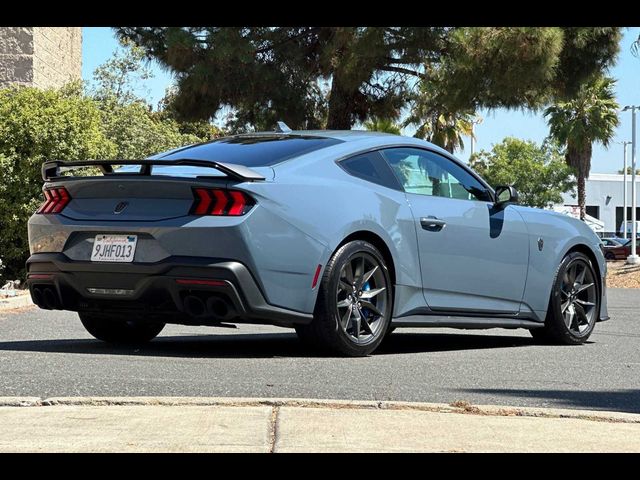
x=256, y=151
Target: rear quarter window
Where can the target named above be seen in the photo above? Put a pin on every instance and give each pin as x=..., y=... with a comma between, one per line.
x=371, y=167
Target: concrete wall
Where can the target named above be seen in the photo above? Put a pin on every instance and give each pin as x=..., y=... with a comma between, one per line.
x=43, y=57
x=57, y=56
x=16, y=56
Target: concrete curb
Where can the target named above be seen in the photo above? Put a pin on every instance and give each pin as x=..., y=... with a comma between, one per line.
x=457, y=407
x=20, y=401
x=19, y=301
x=277, y=425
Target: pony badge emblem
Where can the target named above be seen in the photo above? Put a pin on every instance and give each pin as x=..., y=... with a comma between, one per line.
x=120, y=207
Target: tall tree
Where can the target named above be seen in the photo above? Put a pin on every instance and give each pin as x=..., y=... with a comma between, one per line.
x=635, y=47
x=578, y=123
x=127, y=118
x=119, y=78
x=268, y=73
x=436, y=123
x=538, y=172
x=385, y=125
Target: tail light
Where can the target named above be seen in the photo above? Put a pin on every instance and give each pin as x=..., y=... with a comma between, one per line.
x=218, y=201
x=55, y=200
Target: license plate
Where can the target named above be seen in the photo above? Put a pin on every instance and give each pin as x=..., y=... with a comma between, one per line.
x=114, y=248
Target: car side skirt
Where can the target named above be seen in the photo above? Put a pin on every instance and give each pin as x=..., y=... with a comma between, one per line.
x=466, y=322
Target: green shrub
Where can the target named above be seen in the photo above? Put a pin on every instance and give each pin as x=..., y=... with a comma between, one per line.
x=138, y=133
x=35, y=126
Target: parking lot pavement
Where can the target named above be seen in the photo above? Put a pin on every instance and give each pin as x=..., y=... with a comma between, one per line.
x=256, y=389
x=295, y=425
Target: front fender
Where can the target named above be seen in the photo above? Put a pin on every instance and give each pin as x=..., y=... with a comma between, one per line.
x=552, y=235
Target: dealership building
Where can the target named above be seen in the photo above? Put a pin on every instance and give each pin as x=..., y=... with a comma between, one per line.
x=605, y=200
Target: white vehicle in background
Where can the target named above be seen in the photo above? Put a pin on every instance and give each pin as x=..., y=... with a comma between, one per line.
x=595, y=224
x=629, y=227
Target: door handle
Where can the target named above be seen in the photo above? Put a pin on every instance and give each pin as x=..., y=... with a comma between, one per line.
x=432, y=223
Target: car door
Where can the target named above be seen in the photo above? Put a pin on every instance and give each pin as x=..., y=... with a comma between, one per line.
x=473, y=255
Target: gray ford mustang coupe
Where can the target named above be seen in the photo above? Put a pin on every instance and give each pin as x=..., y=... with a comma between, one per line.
x=343, y=236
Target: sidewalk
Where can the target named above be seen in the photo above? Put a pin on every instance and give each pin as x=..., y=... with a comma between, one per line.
x=23, y=299
x=165, y=424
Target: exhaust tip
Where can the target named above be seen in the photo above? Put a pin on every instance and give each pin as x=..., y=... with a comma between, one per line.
x=194, y=306
x=218, y=307
x=36, y=296
x=50, y=299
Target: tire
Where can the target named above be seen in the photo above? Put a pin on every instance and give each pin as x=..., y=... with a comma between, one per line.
x=339, y=311
x=118, y=330
x=574, y=304
x=609, y=256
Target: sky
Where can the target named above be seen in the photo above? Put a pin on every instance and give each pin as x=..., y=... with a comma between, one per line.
x=99, y=43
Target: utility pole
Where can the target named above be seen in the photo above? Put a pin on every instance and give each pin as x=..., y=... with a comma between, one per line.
x=474, y=122
x=624, y=189
x=633, y=258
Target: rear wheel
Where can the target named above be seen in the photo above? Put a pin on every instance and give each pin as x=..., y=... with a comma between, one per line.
x=119, y=330
x=609, y=256
x=574, y=303
x=354, y=304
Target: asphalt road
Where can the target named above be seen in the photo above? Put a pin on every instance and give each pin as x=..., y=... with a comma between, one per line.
x=47, y=354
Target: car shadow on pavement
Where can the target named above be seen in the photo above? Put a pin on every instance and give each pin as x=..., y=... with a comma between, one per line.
x=443, y=342
x=263, y=345
x=626, y=400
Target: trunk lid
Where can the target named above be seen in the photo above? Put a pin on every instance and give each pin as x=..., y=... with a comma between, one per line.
x=162, y=192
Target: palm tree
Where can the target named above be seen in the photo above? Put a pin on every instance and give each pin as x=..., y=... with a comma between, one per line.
x=635, y=47
x=446, y=129
x=385, y=125
x=435, y=119
x=577, y=123
x=438, y=124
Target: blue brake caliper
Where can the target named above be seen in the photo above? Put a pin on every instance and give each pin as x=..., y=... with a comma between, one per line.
x=365, y=288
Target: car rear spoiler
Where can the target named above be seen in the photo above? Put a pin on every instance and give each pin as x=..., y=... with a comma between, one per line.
x=51, y=171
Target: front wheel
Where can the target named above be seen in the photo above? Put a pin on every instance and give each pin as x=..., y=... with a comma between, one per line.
x=354, y=304
x=574, y=304
x=119, y=330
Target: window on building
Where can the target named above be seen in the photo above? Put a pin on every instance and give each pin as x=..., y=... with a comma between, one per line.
x=620, y=217
x=593, y=211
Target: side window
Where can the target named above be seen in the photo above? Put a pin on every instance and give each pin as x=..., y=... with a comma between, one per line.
x=427, y=173
x=371, y=166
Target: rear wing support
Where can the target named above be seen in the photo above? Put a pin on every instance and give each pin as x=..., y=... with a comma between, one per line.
x=51, y=171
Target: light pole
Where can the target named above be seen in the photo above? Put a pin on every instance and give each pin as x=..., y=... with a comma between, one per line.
x=475, y=122
x=624, y=190
x=633, y=258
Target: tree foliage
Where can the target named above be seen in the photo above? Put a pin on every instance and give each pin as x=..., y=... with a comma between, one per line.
x=277, y=73
x=118, y=79
x=437, y=123
x=36, y=126
x=629, y=171
x=539, y=173
x=591, y=116
x=110, y=122
x=128, y=120
x=385, y=125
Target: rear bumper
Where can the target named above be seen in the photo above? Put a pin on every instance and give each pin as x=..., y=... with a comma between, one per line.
x=155, y=290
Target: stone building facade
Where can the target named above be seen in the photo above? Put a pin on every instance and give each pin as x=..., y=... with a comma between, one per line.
x=43, y=57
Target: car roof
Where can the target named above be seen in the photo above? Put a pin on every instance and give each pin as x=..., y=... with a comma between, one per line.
x=344, y=135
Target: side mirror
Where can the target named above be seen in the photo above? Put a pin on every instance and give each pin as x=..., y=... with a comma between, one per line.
x=505, y=195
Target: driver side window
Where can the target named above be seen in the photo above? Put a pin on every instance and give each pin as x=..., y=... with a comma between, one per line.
x=426, y=173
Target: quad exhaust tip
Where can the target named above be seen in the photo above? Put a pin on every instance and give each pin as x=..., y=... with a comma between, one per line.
x=46, y=298
x=215, y=307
